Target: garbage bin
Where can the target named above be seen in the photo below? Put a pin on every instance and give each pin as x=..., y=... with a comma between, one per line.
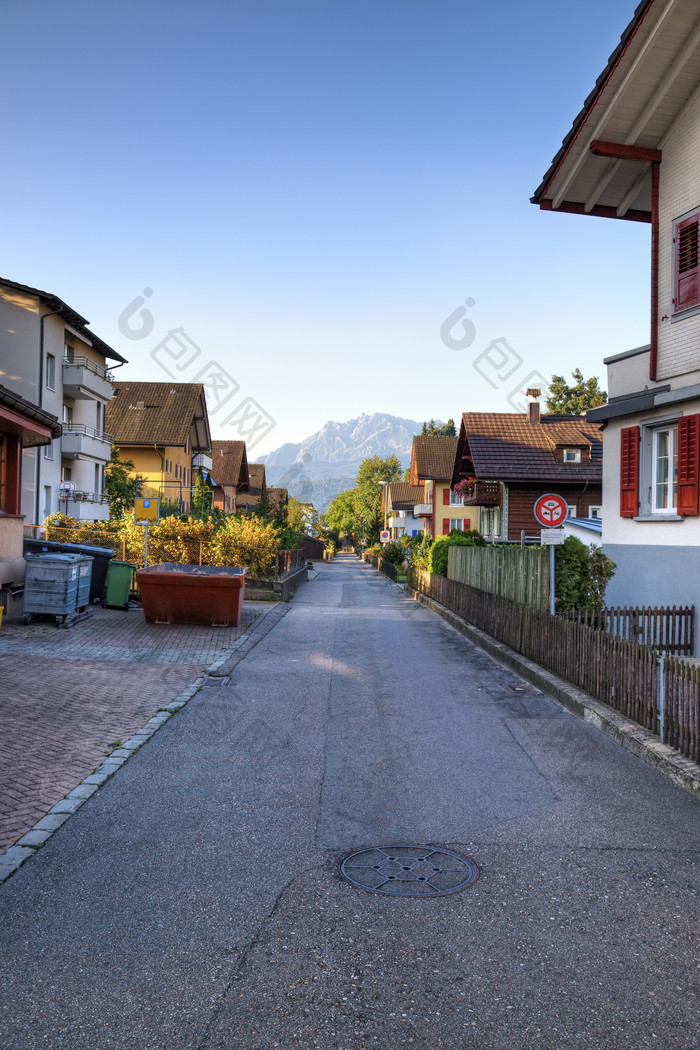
x=118, y=589
x=101, y=558
x=56, y=584
x=172, y=592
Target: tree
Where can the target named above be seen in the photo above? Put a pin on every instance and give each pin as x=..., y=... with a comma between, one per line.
x=341, y=516
x=566, y=400
x=440, y=429
x=120, y=486
x=203, y=498
x=368, y=501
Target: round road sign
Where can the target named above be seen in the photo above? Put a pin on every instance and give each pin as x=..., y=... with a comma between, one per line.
x=550, y=510
x=384, y=535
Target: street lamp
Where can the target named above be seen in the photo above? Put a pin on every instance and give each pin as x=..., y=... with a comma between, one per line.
x=363, y=531
x=385, y=499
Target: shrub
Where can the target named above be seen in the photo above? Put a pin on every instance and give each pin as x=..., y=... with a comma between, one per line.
x=438, y=552
x=581, y=575
x=395, y=553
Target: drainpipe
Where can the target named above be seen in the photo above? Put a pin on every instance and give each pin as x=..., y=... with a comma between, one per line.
x=162, y=471
x=37, y=454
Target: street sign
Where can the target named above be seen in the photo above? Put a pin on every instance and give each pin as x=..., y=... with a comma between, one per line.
x=552, y=537
x=384, y=535
x=146, y=510
x=550, y=510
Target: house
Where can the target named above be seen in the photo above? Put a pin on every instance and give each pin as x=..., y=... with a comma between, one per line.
x=401, y=498
x=245, y=503
x=432, y=468
x=55, y=363
x=23, y=426
x=161, y=427
x=509, y=459
x=229, y=473
x=632, y=154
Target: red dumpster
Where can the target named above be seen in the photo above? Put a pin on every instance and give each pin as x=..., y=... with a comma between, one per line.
x=197, y=594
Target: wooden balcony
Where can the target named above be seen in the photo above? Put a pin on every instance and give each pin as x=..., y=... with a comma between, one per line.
x=484, y=494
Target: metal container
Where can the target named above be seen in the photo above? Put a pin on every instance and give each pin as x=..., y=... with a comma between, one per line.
x=101, y=558
x=56, y=584
x=196, y=594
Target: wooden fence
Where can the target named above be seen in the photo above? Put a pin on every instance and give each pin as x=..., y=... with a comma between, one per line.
x=521, y=574
x=666, y=629
x=661, y=694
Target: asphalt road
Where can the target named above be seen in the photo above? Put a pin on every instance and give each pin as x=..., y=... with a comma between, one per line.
x=196, y=902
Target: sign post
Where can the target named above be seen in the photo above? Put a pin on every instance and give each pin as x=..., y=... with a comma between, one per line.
x=146, y=510
x=551, y=511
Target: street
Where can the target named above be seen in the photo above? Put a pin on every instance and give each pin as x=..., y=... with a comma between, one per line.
x=195, y=901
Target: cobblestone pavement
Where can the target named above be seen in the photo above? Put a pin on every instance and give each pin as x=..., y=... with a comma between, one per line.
x=69, y=697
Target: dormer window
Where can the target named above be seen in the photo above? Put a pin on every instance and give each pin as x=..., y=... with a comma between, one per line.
x=572, y=455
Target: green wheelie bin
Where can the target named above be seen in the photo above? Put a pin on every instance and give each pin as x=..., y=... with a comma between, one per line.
x=118, y=589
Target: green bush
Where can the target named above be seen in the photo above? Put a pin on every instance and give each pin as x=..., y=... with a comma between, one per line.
x=438, y=552
x=395, y=553
x=581, y=575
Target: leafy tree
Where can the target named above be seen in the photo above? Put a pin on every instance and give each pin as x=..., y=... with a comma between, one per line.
x=368, y=499
x=581, y=575
x=574, y=400
x=203, y=496
x=120, y=486
x=440, y=429
x=341, y=517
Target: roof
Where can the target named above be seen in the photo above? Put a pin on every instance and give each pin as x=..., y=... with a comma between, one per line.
x=229, y=463
x=504, y=446
x=433, y=457
x=158, y=414
x=648, y=80
x=403, y=496
x=71, y=316
x=278, y=495
x=21, y=417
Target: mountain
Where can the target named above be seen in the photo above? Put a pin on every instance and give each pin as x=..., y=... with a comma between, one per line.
x=324, y=464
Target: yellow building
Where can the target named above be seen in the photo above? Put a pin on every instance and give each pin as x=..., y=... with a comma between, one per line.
x=161, y=427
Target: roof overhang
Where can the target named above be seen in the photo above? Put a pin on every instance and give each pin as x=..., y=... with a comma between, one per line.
x=604, y=165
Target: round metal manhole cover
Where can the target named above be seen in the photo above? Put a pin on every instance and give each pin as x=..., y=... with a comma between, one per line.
x=409, y=871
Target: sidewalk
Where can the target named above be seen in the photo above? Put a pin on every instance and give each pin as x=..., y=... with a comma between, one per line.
x=70, y=697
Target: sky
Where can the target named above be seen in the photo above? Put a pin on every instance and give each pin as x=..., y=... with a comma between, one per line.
x=317, y=208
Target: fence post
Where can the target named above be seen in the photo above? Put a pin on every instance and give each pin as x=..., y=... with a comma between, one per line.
x=662, y=696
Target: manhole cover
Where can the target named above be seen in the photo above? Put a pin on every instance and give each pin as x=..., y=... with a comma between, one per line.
x=409, y=871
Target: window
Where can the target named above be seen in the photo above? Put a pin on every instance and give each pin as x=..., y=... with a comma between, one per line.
x=664, y=471
x=660, y=468
x=69, y=352
x=48, y=451
x=571, y=510
x=187, y=446
x=50, y=378
x=68, y=414
x=178, y=471
x=685, y=244
x=572, y=455
x=595, y=512
x=168, y=466
x=456, y=499
x=187, y=475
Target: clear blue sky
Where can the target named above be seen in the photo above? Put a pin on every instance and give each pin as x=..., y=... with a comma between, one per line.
x=310, y=188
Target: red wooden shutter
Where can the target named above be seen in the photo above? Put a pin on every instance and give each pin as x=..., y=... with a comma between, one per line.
x=686, y=252
x=467, y=524
x=688, y=445
x=629, y=472
x=445, y=526
x=446, y=497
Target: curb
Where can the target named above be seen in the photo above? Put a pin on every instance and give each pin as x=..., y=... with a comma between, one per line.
x=37, y=836
x=680, y=770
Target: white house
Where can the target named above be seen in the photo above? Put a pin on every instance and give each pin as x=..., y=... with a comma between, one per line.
x=634, y=153
x=49, y=357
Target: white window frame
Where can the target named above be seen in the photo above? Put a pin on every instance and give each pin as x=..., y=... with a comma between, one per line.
x=48, y=451
x=599, y=515
x=672, y=473
x=50, y=372
x=572, y=510
x=456, y=499
x=572, y=455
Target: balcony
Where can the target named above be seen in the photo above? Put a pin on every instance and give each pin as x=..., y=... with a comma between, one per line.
x=83, y=379
x=86, y=506
x=78, y=440
x=398, y=522
x=423, y=510
x=484, y=494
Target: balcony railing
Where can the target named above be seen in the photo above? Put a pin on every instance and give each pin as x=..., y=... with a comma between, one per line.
x=423, y=510
x=88, y=497
x=88, y=365
x=79, y=429
x=483, y=494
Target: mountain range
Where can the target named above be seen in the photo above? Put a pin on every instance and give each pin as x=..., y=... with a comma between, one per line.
x=316, y=469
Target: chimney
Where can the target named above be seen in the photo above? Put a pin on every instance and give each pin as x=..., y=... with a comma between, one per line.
x=533, y=405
